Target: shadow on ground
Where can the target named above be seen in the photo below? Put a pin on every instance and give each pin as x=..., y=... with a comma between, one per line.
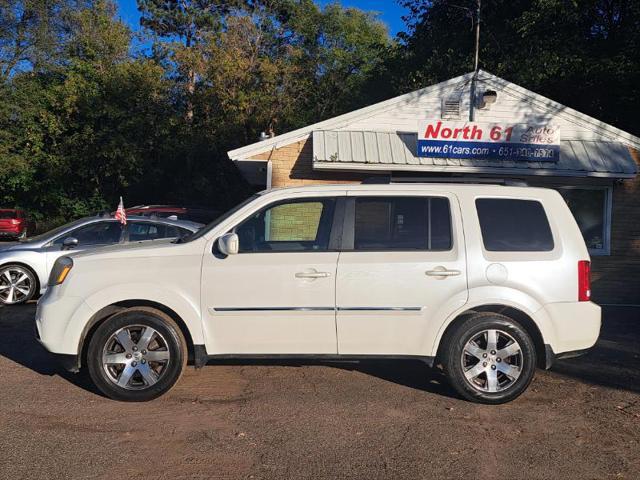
x=613, y=363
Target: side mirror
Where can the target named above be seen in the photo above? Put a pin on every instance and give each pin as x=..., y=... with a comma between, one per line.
x=229, y=244
x=69, y=242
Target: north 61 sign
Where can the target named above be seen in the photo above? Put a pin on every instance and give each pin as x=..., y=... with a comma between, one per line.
x=494, y=141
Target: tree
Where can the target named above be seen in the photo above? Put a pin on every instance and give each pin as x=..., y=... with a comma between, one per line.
x=83, y=120
x=73, y=138
x=31, y=34
x=185, y=24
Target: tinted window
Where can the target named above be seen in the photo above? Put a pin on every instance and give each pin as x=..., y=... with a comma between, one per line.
x=514, y=225
x=8, y=214
x=402, y=223
x=290, y=226
x=589, y=207
x=99, y=233
x=139, y=231
x=183, y=232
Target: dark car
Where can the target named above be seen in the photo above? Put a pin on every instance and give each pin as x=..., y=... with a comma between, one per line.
x=175, y=212
x=14, y=223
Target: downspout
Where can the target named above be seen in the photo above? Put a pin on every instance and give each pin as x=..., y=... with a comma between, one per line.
x=269, y=174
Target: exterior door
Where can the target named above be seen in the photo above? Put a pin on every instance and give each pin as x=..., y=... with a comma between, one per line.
x=277, y=295
x=403, y=266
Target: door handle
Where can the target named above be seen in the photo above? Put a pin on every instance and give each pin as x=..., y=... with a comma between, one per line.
x=313, y=274
x=442, y=272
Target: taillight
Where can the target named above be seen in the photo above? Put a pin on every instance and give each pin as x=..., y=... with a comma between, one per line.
x=15, y=221
x=584, y=280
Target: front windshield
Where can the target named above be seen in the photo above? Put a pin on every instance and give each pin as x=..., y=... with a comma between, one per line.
x=204, y=230
x=53, y=233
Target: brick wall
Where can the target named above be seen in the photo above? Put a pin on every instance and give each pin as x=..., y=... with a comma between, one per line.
x=292, y=165
x=616, y=278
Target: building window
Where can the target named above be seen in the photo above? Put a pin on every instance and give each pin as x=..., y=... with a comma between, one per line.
x=591, y=207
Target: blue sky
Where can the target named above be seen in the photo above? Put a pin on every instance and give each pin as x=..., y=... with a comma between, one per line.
x=390, y=12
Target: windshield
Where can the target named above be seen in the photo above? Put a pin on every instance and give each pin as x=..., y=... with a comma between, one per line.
x=204, y=230
x=55, y=232
x=4, y=214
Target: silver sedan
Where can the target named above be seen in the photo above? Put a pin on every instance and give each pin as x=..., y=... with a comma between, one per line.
x=25, y=266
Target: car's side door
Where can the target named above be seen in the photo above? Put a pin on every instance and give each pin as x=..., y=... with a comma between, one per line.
x=95, y=234
x=403, y=264
x=277, y=295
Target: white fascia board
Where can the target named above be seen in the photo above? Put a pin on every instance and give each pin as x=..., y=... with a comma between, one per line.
x=534, y=99
x=574, y=116
x=338, y=122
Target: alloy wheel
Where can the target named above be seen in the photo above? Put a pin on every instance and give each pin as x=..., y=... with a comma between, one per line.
x=135, y=357
x=16, y=285
x=492, y=361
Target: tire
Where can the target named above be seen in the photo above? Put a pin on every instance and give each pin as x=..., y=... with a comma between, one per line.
x=23, y=235
x=18, y=284
x=144, y=352
x=477, y=370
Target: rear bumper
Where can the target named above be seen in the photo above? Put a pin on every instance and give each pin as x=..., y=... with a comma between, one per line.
x=10, y=233
x=575, y=326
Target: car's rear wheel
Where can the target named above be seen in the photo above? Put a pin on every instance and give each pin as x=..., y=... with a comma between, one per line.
x=489, y=358
x=136, y=355
x=17, y=284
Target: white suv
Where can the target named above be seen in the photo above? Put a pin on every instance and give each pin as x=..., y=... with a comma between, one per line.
x=488, y=281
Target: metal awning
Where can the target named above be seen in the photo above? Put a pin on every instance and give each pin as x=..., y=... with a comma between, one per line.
x=396, y=151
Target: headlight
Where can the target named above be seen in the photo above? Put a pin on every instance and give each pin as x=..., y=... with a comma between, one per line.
x=60, y=270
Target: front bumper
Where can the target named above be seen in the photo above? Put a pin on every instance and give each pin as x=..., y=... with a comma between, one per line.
x=60, y=322
x=69, y=362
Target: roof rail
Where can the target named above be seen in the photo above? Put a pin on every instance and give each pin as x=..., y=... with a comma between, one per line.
x=385, y=180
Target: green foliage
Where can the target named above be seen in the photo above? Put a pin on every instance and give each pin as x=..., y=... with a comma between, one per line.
x=84, y=120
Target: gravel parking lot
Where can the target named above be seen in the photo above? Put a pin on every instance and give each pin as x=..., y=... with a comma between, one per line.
x=355, y=420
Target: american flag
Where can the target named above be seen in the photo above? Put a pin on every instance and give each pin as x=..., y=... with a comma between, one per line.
x=120, y=213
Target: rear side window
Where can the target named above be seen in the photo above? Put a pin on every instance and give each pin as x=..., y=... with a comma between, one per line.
x=510, y=225
x=139, y=231
x=402, y=223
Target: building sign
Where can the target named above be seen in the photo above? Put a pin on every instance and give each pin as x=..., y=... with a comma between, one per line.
x=492, y=141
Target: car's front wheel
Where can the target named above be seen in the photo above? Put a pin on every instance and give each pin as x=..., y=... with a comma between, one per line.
x=489, y=358
x=17, y=284
x=136, y=355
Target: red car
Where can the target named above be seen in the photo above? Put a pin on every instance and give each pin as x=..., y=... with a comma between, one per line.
x=13, y=223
